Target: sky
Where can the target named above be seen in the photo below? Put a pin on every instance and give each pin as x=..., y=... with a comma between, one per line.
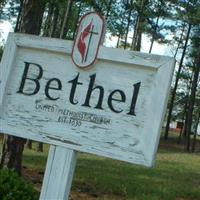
x=5, y=28
x=159, y=49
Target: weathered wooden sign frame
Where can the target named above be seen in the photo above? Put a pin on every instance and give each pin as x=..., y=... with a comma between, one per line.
x=126, y=126
x=159, y=71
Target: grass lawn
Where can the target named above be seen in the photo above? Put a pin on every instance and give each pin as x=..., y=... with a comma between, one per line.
x=176, y=176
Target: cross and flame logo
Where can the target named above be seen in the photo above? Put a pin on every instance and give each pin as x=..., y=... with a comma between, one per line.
x=81, y=41
x=87, y=42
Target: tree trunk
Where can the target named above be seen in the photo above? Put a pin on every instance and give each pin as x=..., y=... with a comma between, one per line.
x=127, y=29
x=29, y=144
x=17, y=26
x=195, y=132
x=12, y=153
x=118, y=41
x=136, y=28
x=156, y=26
x=185, y=114
x=138, y=41
x=54, y=22
x=176, y=84
x=77, y=19
x=49, y=18
x=39, y=147
x=64, y=27
x=154, y=33
x=31, y=20
x=32, y=15
x=192, y=99
x=180, y=40
x=137, y=37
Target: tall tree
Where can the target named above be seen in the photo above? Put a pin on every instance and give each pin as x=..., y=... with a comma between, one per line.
x=176, y=83
x=158, y=11
x=64, y=27
x=196, y=123
x=195, y=56
x=31, y=20
x=187, y=12
x=129, y=9
x=140, y=24
x=193, y=97
x=48, y=22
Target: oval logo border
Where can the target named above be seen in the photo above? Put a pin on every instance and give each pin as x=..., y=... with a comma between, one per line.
x=99, y=43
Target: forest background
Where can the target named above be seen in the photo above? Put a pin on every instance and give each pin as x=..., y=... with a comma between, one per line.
x=172, y=26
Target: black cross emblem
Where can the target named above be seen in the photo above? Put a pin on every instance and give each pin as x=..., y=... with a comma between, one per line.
x=92, y=32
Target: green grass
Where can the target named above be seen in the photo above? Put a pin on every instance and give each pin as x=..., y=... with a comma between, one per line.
x=176, y=175
x=35, y=160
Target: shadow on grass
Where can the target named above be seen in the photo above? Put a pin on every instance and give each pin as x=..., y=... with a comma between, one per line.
x=173, y=145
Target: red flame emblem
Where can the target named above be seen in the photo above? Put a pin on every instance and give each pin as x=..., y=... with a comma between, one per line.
x=81, y=41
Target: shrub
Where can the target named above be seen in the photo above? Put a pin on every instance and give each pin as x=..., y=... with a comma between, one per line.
x=13, y=187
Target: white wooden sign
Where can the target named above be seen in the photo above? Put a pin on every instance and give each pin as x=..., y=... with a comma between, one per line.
x=114, y=109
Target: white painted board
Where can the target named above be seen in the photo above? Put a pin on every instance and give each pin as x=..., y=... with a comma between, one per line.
x=101, y=131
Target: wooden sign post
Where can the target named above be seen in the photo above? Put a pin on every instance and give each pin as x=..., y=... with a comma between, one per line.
x=58, y=174
x=114, y=108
